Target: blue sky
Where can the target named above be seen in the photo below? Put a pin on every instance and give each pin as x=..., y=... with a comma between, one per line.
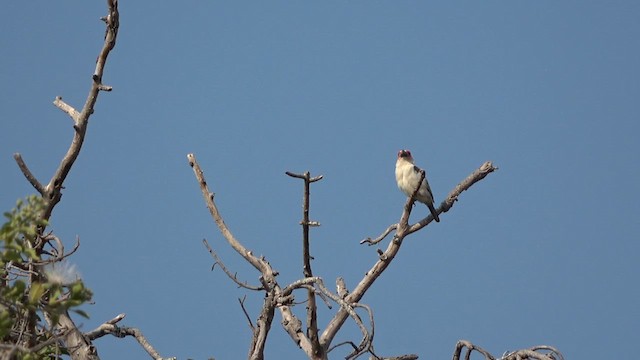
x=544, y=251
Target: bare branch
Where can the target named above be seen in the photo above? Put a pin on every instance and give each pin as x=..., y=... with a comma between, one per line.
x=536, y=352
x=27, y=173
x=341, y=287
x=78, y=345
x=541, y=352
x=366, y=345
x=384, y=234
x=73, y=113
x=302, y=176
x=244, y=310
x=263, y=325
x=268, y=278
x=401, y=357
x=344, y=305
x=81, y=120
x=57, y=251
x=462, y=344
x=312, y=316
x=353, y=345
x=479, y=174
x=257, y=263
x=233, y=277
x=402, y=230
x=116, y=319
x=110, y=328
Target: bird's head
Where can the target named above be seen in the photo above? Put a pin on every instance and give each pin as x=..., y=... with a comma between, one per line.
x=406, y=155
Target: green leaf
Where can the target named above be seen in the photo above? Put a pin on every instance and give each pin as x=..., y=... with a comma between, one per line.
x=37, y=289
x=81, y=313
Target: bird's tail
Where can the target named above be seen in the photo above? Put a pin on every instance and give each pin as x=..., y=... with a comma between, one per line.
x=434, y=213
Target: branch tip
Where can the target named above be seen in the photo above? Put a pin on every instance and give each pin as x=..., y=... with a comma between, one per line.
x=28, y=174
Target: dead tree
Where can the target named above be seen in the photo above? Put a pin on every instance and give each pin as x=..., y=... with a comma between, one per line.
x=315, y=342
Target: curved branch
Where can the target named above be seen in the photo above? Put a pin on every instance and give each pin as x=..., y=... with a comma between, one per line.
x=226, y=271
x=535, y=353
x=344, y=305
x=268, y=278
x=462, y=344
x=384, y=234
x=110, y=328
x=531, y=353
x=257, y=263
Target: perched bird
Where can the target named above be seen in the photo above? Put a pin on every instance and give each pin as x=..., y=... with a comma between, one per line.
x=408, y=175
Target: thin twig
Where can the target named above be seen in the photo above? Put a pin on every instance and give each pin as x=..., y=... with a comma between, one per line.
x=233, y=277
x=57, y=253
x=244, y=310
x=384, y=234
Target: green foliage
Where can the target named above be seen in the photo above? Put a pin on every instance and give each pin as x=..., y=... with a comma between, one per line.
x=21, y=229
x=32, y=285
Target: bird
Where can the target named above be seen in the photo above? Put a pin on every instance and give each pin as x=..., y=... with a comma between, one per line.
x=407, y=177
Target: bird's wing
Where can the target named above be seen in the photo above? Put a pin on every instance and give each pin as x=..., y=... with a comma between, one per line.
x=416, y=171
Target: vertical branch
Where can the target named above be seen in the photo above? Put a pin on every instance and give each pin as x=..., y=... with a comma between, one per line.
x=78, y=346
x=306, y=256
x=312, y=317
x=52, y=191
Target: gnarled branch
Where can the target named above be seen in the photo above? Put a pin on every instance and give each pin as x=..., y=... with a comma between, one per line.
x=541, y=352
x=110, y=328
